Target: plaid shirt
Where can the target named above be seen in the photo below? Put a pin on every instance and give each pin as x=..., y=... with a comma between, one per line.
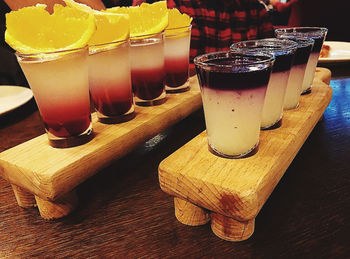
x=219, y=23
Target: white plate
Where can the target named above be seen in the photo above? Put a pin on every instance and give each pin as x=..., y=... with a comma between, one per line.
x=12, y=97
x=339, y=52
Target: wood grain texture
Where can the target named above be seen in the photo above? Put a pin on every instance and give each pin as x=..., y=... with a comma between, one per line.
x=323, y=75
x=230, y=229
x=58, y=208
x=23, y=198
x=190, y=214
x=238, y=188
x=50, y=172
x=122, y=212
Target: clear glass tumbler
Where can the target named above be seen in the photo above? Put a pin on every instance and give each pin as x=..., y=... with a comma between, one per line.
x=284, y=51
x=297, y=73
x=318, y=34
x=59, y=81
x=110, y=81
x=147, y=69
x=177, y=54
x=233, y=86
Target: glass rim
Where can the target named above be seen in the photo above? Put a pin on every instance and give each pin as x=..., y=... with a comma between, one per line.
x=178, y=28
x=49, y=53
x=224, y=54
x=292, y=45
x=108, y=43
x=301, y=41
x=140, y=37
x=303, y=30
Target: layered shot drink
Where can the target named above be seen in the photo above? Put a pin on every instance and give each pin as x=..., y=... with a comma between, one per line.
x=284, y=51
x=297, y=73
x=176, y=51
x=233, y=87
x=147, y=69
x=59, y=81
x=318, y=35
x=110, y=81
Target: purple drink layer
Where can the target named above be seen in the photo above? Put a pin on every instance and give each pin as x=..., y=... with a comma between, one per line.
x=283, y=62
x=318, y=43
x=232, y=79
x=302, y=55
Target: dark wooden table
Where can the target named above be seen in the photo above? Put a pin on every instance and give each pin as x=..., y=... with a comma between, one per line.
x=123, y=213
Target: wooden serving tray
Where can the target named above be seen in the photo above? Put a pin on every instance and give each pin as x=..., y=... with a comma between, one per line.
x=45, y=176
x=231, y=192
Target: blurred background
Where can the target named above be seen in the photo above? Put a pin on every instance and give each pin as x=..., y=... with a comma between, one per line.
x=283, y=13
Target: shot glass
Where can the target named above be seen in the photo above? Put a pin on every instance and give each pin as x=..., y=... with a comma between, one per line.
x=318, y=34
x=147, y=69
x=110, y=81
x=177, y=52
x=297, y=73
x=284, y=51
x=233, y=86
x=59, y=81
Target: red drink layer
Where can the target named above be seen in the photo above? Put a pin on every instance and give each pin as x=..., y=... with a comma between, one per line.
x=66, y=120
x=112, y=103
x=176, y=71
x=148, y=84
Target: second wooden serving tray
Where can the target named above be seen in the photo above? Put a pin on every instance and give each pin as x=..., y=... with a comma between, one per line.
x=231, y=192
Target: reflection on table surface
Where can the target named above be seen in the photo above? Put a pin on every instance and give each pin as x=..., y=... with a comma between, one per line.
x=123, y=213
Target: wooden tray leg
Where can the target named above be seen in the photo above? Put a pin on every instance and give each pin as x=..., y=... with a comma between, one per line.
x=190, y=214
x=58, y=208
x=230, y=229
x=24, y=198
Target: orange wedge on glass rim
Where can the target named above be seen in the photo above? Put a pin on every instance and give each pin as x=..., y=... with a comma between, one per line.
x=110, y=27
x=178, y=22
x=144, y=19
x=34, y=30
